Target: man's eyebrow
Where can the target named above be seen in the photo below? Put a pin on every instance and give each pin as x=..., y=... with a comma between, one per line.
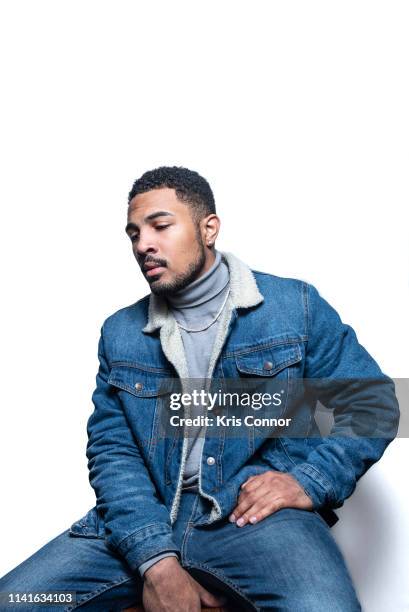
x=159, y=213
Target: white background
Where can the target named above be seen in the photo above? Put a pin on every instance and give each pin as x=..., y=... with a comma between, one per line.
x=296, y=113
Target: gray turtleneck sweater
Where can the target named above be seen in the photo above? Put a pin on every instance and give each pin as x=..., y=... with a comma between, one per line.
x=195, y=308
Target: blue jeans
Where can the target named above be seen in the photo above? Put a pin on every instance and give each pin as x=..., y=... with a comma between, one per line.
x=289, y=561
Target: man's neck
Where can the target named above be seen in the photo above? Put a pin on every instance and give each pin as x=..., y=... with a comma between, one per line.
x=204, y=288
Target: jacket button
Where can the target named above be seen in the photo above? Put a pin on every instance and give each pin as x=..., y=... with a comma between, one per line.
x=268, y=365
x=138, y=386
x=211, y=461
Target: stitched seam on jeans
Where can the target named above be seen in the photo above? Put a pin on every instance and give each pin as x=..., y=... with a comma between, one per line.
x=102, y=589
x=310, y=514
x=223, y=578
x=189, y=527
x=187, y=534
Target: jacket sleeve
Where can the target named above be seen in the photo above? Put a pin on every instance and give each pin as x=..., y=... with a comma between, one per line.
x=137, y=523
x=366, y=411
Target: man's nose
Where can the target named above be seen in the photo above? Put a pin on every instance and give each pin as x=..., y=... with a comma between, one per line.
x=145, y=245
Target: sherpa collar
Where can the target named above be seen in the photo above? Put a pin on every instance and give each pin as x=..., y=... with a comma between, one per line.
x=244, y=293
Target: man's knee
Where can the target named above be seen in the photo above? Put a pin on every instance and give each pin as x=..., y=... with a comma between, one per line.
x=320, y=599
x=22, y=579
x=43, y=570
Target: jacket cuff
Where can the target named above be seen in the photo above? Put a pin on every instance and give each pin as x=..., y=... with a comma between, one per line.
x=145, y=566
x=146, y=543
x=316, y=486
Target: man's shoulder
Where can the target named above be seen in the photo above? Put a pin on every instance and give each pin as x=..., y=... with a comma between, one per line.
x=135, y=314
x=279, y=285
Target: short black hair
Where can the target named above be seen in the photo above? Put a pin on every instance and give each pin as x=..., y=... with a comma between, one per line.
x=190, y=187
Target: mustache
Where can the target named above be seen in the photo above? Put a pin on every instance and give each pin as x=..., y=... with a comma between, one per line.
x=150, y=259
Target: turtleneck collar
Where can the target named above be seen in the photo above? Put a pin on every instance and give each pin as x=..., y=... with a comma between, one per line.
x=204, y=288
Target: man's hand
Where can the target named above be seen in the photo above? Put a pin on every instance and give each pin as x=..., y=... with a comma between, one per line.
x=266, y=493
x=169, y=588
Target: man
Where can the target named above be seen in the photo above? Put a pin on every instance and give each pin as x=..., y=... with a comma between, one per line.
x=182, y=518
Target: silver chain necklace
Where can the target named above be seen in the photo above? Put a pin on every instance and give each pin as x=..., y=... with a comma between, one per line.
x=189, y=329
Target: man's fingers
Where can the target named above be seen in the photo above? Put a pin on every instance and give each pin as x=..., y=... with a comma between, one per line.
x=257, y=479
x=208, y=599
x=252, y=483
x=250, y=496
x=248, y=500
x=257, y=514
x=246, y=482
x=266, y=493
x=244, y=500
x=260, y=511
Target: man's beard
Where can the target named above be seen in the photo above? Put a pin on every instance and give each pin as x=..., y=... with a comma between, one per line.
x=181, y=280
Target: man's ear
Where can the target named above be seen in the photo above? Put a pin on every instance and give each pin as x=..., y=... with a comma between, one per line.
x=211, y=227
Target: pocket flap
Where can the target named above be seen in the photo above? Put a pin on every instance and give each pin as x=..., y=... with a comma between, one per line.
x=89, y=526
x=140, y=382
x=268, y=361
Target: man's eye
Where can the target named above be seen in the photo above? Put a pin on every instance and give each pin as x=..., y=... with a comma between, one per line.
x=134, y=237
x=161, y=227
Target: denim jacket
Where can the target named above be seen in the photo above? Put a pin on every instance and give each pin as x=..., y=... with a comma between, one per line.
x=137, y=475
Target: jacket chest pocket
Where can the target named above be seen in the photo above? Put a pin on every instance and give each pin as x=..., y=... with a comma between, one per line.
x=266, y=373
x=144, y=393
x=269, y=361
